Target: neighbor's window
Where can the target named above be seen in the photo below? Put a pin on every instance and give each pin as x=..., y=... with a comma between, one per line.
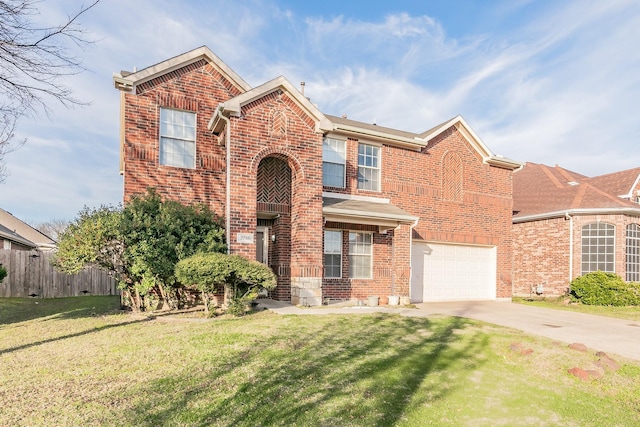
x=633, y=253
x=177, y=138
x=332, y=254
x=360, y=245
x=598, y=247
x=333, y=163
x=368, y=167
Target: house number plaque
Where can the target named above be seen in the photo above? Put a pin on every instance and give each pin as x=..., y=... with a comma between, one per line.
x=244, y=237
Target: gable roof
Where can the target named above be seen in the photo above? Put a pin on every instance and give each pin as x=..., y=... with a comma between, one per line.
x=419, y=141
x=128, y=81
x=619, y=183
x=234, y=105
x=19, y=231
x=541, y=191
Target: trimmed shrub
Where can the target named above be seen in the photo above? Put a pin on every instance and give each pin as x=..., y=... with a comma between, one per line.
x=3, y=273
x=242, y=278
x=600, y=288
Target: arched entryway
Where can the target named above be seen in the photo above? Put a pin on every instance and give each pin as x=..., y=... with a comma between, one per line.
x=273, y=228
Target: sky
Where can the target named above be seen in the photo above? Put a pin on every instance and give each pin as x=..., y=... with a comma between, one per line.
x=552, y=82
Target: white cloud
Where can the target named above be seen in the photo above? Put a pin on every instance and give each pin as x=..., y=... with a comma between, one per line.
x=545, y=82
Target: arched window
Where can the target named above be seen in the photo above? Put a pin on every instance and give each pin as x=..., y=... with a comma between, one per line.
x=598, y=247
x=633, y=253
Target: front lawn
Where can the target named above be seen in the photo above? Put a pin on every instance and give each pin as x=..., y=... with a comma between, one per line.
x=629, y=313
x=68, y=362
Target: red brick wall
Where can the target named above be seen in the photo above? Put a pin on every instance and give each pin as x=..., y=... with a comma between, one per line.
x=198, y=88
x=541, y=251
x=541, y=256
x=479, y=214
x=255, y=136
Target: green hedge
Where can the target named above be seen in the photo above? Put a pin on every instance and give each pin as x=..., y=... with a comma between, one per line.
x=3, y=272
x=600, y=288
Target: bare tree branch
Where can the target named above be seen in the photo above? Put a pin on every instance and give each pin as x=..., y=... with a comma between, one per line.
x=32, y=62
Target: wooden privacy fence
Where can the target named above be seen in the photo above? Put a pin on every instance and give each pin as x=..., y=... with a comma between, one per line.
x=31, y=274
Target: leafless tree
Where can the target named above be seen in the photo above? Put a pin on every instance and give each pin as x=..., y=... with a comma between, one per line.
x=52, y=228
x=33, y=60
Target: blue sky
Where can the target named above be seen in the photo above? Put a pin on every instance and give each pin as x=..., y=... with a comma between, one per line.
x=553, y=82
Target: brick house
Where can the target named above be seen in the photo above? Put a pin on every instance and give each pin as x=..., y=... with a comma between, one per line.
x=339, y=209
x=566, y=224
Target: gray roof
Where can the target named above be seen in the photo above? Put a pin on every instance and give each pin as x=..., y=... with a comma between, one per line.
x=362, y=211
x=7, y=234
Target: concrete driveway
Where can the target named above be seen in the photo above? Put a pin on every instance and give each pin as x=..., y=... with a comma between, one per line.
x=613, y=336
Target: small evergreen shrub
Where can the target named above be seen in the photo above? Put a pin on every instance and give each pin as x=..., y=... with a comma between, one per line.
x=600, y=288
x=242, y=278
x=3, y=272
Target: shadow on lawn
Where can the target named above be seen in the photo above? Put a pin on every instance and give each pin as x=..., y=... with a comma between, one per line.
x=16, y=310
x=356, y=370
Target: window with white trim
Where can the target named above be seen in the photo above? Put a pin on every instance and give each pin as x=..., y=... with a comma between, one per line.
x=177, y=138
x=332, y=254
x=633, y=253
x=333, y=162
x=598, y=247
x=360, y=255
x=368, y=167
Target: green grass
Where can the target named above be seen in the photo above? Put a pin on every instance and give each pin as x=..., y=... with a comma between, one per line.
x=629, y=313
x=80, y=362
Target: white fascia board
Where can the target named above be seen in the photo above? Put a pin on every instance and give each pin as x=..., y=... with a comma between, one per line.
x=596, y=211
x=129, y=82
x=635, y=184
x=234, y=105
x=386, y=138
x=368, y=216
x=466, y=130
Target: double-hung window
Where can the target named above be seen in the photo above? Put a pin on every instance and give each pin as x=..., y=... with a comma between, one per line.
x=177, y=138
x=368, y=167
x=333, y=163
x=598, y=247
x=332, y=254
x=360, y=254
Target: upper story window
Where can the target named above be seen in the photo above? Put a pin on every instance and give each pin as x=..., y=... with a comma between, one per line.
x=368, y=167
x=333, y=162
x=598, y=247
x=177, y=138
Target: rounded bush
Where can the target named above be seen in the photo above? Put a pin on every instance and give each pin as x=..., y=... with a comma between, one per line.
x=3, y=272
x=600, y=288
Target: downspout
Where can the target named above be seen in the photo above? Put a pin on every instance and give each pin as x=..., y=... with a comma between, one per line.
x=570, y=218
x=227, y=214
x=415, y=223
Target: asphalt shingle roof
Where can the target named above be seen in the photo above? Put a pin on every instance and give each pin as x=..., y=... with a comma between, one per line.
x=540, y=189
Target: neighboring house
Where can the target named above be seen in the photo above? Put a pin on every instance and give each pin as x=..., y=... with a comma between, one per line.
x=566, y=224
x=18, y=235
x=339, y=209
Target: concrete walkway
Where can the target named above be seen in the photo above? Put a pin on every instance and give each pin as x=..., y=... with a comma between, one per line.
x=613, y=336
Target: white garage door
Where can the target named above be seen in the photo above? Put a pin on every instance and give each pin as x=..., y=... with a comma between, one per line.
x=452, y=272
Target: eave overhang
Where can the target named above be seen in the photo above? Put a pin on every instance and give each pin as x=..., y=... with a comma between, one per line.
x=233, y=107
x=382, y=137
x=572, y=212
x=127, y=82
x=384, y=215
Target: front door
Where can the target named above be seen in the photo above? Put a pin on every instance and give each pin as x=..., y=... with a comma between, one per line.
x=262, y=245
